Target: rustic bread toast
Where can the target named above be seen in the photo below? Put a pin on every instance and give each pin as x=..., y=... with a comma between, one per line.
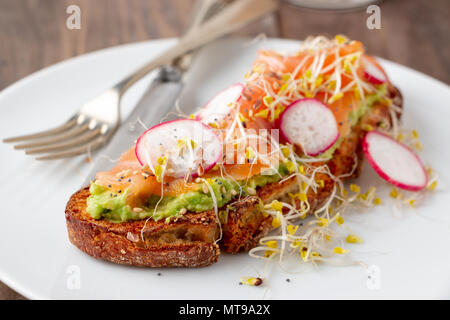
x=191, y=240
x=187, y=242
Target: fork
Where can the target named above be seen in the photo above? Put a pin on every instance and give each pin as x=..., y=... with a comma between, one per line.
x=96, y=121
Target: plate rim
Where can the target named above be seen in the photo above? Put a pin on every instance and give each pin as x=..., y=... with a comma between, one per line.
x=24, y=289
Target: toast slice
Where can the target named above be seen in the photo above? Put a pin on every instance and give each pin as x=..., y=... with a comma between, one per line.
x=190, y=241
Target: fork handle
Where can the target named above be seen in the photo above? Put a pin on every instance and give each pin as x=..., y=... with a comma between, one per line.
x=233, y=17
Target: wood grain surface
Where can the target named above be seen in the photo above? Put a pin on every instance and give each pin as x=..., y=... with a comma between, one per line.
x=33, y=33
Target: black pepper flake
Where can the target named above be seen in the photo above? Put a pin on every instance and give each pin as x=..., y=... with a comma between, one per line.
x=111, y=195
x=109, y=186
x=240, y=283
x=119, y=180
x=145, y=178
x=122, y=177
x=340, y=123
x=129, y=180
x=288, y=280
x=120, y=191
x=159, y=274
x=166, y=184
x=244, y=124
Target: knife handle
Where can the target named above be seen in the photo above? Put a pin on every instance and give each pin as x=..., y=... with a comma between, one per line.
x=158, y=99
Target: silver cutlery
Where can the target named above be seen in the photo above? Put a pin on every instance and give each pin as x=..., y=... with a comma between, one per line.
x=97, y=120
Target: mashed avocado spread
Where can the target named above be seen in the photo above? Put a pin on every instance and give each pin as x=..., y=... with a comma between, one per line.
x=115, y=208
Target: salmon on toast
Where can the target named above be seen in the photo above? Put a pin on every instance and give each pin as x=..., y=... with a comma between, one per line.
x=279, y=145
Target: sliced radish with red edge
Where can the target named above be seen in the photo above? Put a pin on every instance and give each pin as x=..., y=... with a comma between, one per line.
x=309, y=124
x=372, y=72
x=218, y=108
x=187, y=145
x=394, y=162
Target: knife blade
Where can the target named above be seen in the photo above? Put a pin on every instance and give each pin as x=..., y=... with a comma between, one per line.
x=157, y=101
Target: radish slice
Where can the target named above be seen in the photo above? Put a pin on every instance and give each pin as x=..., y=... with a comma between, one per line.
x=309, y=124
x=218, y=108
x=373, y=73
x=394, y=162
x=186, y=146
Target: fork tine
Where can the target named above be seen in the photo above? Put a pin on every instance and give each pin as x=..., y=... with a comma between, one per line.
x=64, y=127
x=76, y=141
x=75, y=131
x=97, y=143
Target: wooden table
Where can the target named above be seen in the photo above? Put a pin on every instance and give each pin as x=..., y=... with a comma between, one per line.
x=33, y=33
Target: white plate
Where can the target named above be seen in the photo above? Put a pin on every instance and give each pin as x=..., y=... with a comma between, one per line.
x=37, y=260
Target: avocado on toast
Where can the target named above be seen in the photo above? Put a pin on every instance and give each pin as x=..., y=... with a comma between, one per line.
x=112, y=221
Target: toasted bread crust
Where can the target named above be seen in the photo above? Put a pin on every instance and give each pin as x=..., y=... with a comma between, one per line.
x=121, y=243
